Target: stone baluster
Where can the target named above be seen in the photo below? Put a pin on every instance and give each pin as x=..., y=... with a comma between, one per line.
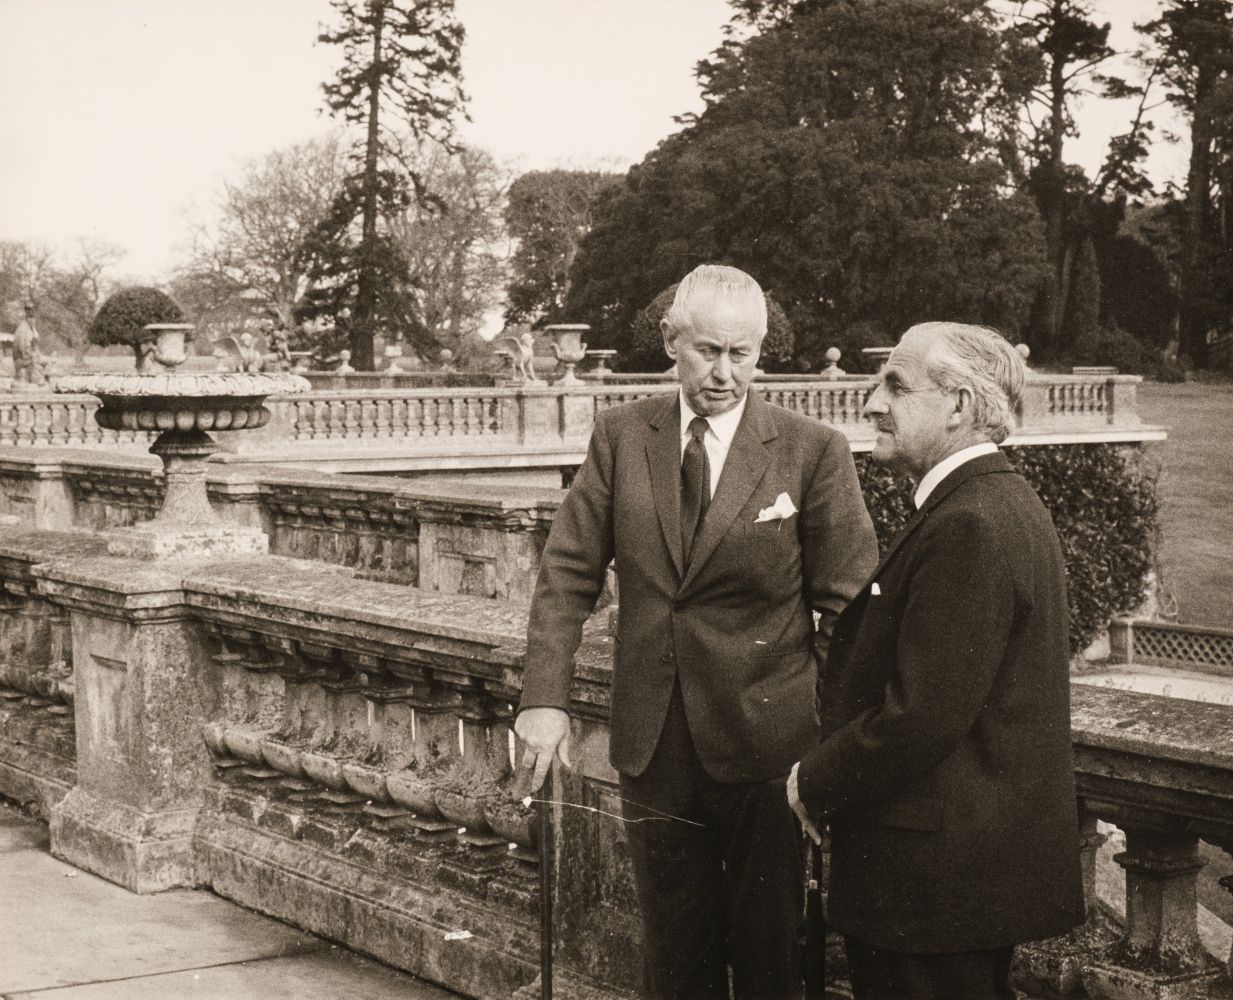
x=332, y=419
x=1227, y=883
x=353, y=423
x=485, y=734
x=25, y=424
x=8, y=424
x=383, y=421
x=1159, y=954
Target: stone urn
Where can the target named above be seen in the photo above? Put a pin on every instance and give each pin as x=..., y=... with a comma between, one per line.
x=569, y=348
x=183, y=409
x=170, y=342
x=602, y=359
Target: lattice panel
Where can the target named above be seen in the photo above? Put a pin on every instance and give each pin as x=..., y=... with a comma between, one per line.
x=1184, y=647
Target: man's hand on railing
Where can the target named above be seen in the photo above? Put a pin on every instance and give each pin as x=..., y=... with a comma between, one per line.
x=543, y=732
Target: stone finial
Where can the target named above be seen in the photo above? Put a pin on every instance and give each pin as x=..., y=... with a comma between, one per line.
x=1024, y=352
x=832, y=355
x=344, y=363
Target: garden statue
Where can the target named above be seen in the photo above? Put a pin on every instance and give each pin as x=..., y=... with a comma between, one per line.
x=280, y=344
x=27, y=365
x=344, y=363
x=247, y=354
x=524, y=355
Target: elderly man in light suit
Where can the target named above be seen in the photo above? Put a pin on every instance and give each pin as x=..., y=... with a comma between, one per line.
x=733, y=523
x=945, y=765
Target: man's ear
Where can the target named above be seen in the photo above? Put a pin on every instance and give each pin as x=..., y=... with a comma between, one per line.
x=962, y=408
x=669, y=338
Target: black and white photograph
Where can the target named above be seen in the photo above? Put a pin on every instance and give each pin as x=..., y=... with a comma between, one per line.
x=616, y=499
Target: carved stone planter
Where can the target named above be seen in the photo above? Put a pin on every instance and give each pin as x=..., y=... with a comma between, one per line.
x=184, y=408
x=569, y=347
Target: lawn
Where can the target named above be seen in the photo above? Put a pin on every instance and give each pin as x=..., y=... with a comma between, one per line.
x=1196, y=493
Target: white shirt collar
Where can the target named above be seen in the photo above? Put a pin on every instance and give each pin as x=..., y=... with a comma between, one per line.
x=948, y=465
x=723, y=426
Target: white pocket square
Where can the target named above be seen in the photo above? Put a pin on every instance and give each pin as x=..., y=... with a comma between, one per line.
x=874, y=589
x=782, y=508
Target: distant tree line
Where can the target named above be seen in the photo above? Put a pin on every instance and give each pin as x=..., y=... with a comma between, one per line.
x=871, y=163
x=883, y=162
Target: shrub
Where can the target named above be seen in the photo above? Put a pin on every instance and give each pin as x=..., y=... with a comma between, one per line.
x=1125, y=352
x=120, y=319
x=1103, y=503
x=646, y=343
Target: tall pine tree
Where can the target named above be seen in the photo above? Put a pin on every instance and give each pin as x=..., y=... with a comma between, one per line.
x=401, y=67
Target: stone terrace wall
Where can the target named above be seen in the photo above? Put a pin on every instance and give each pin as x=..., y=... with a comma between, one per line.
x=335, y=751
x=478, y=540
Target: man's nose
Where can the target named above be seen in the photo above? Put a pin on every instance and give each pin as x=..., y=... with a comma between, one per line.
x=876, y=403
x=722, y=368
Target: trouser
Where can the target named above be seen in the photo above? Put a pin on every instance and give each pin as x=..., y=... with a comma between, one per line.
x=719, y=876
x=878, y=974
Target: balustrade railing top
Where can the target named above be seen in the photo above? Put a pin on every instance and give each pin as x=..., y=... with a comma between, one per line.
x=1054, y=408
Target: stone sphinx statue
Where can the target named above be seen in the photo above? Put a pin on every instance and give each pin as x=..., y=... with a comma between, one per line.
x=245, y=354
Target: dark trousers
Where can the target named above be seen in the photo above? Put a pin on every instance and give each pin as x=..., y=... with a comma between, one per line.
x=719, y=875
x=894, y=975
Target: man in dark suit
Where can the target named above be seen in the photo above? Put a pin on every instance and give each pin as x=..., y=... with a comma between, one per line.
x=732, y=522
x=945, y=762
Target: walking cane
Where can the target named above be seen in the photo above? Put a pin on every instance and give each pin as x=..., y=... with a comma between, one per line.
x=815, y=927
x=546, y=861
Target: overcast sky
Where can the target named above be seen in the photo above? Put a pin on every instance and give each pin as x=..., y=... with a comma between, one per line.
x=118, y=116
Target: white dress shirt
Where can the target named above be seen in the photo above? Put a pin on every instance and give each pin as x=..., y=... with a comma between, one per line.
x=718, y=438
x=948, y=465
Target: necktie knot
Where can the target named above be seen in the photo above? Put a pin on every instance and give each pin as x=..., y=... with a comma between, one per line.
x=697, y=428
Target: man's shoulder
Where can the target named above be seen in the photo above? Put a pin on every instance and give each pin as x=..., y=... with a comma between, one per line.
x=638, y=412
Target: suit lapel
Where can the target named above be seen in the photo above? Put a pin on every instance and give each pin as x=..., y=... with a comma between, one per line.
x=663, y=455
x=743, y=470
x=976, y=467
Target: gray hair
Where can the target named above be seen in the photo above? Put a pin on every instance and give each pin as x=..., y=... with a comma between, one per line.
x=717, y=282
x=985, y=363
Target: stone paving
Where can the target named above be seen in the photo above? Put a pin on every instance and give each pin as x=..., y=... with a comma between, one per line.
x=67, y=935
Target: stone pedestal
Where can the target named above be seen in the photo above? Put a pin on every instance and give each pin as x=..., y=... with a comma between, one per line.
x=1160, y=956
x=143, y=691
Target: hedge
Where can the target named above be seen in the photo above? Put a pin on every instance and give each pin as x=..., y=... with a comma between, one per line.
x=1104, y=506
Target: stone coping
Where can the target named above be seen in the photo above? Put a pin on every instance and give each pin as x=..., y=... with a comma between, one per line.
x=475, y=498
x=653, y=382
x=1165, y=728
x=335, y=596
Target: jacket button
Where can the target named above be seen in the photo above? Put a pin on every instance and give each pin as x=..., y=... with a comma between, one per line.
x=666, y=658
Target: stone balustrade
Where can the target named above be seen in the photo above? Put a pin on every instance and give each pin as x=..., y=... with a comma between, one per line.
x=335, y=751
x=480, y=426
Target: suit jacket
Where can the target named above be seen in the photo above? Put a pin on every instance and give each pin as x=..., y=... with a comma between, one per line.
x=735, y=625
x=945, y=763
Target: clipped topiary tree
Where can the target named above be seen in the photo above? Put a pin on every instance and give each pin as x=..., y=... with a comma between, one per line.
x=646, y=343
x=122, y=318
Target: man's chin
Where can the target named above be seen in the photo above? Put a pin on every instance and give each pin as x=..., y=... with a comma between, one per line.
x=884, y=452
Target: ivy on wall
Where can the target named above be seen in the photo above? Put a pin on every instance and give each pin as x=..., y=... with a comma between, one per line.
x=1104, y=506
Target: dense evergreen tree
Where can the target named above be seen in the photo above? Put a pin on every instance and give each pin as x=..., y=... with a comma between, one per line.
x=1196, y=40
x=401, y=60
x=843, y=158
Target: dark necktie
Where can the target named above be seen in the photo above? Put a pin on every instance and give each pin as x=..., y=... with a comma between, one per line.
x=695, y=485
